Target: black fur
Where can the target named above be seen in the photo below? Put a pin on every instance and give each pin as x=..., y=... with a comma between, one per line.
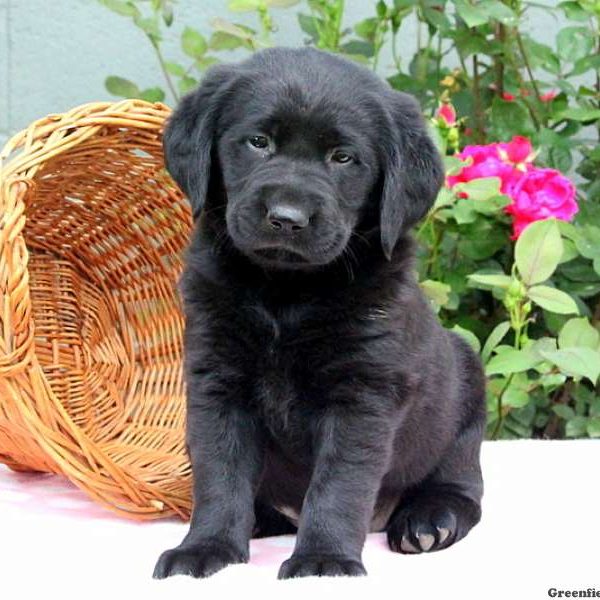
x=319, y=381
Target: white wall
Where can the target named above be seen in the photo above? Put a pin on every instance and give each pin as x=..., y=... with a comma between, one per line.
x=55, y=54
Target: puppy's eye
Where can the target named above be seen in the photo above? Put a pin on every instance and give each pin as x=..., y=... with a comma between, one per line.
x=339, y=156
x=259, y=141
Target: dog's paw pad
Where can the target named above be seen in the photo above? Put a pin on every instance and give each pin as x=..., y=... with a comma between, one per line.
x=415, y=530
x=407, y=547
x=320, y=566
x=196, y=561
x=426, y=541
x=443, y=533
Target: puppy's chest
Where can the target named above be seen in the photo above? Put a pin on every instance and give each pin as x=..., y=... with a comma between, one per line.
x=287, y=377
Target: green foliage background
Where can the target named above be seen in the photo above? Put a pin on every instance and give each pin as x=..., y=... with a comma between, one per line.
x=532, y=309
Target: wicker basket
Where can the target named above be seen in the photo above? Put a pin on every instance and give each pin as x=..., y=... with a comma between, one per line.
x=91, y=236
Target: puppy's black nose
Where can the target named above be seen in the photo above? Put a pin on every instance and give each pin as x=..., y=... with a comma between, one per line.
x=287, y=218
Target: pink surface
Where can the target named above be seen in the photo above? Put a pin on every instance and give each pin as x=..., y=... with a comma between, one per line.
x=55, y=496
x=539, y=531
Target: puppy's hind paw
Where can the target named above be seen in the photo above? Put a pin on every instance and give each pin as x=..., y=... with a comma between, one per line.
x=415, y=531
x=200, y=560
x=320, y=566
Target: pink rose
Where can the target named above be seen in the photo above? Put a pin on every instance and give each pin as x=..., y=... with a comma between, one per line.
x=518, y=151
x=508, y=97
x=506, y=160
x=541, y=194
x=447, y=113
x=485, y=162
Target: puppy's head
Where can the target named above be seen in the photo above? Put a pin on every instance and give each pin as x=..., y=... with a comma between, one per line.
x=305, y=148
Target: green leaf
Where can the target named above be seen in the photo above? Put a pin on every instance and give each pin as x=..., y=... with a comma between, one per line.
x=469, y=337
x=512, y=360
x=475, y=14
x=118, y=86
x=126, y=9
x=240, y=31
x=560, y=158
x=206, y=62
x=515, y=397
x=281, y=3
x=587, y=241
x=538, y=251
x=541, y=55
x=569, y=251
x=587, y=63
x=552, y=299
x=444, y=198
x=454, y=165
x=174, y=69
x=463, y=211
x=494, y=339
x=501, y=281
x=493, y=205
x=593, y=427
x=576, y=427
x=366, y=29
x=578, y=332
x=436, y=18
x=563, y=411
x=436, y=291
x=221, y=40
x=187, y=84
x=578, y=113
x=481, y=240
x=472, y=14
x=577, y=362
x=358, y=47
x=574, y=11
x=574, y=43
x=552, y=380
x=167, y=15
x=481, y=189
x=149, y=26
x=193, y=43
x=308, y=25
x=510, y=118
x=500, y=12
x=154, y=94
x=543, y=344
x=243, y=5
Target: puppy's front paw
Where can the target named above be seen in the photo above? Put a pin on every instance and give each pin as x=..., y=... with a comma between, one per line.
x=320, y=565
x=199, y=560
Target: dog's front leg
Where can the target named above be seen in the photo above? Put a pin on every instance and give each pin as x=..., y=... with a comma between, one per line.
x=225, y=447
x=352, y=451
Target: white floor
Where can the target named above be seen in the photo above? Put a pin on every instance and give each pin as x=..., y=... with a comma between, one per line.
x=541, y=530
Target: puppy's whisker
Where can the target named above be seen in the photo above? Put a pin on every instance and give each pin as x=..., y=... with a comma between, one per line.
x=221, y=241
x=209, y=211
x=361, y=238
x=346, y=260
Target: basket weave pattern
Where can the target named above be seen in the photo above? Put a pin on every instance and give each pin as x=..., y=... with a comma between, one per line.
x=92, y=232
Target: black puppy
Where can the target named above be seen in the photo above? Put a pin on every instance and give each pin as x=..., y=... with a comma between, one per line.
x=323, y=394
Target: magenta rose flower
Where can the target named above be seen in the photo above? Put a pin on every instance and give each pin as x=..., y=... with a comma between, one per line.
x=519, y=152
x=541, y=194
x=486, y=161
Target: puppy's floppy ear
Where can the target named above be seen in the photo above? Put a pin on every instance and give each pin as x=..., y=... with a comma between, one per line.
x=189, y=134
x=413, y=173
